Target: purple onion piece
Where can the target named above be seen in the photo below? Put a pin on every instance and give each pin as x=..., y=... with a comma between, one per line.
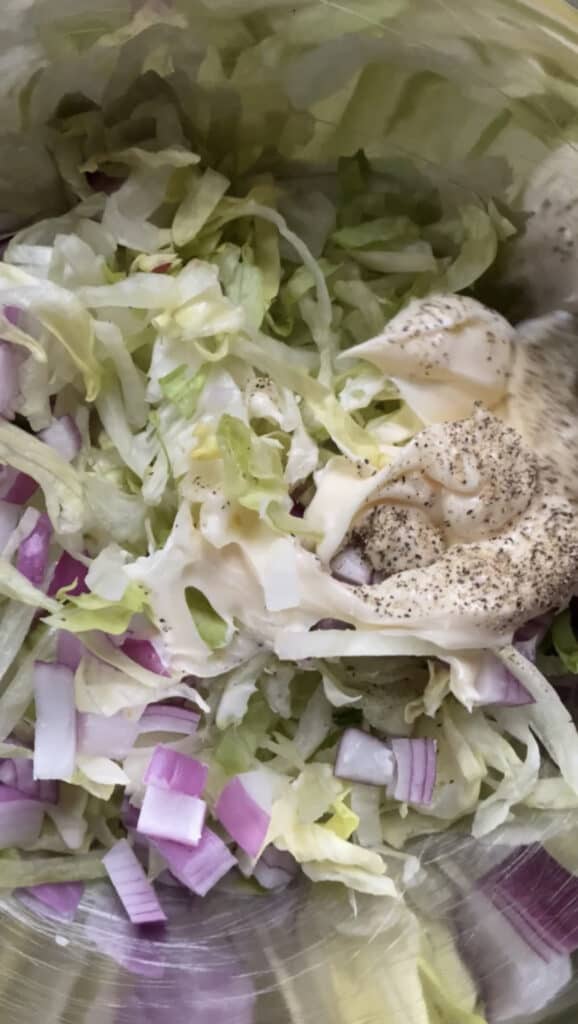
x=331, y=624
x=351, y=566
x=16, y=488
x=100, y=736
x=275, y=868
x=169, y=769
x=145, y=654
x=539, y=897
x=168, y=718
x=244, y=819
x=198, y=868
x=61, y=897
x=68, y=571
x=168, y=814
x=495, y=684
x=362, y=757
x=415, y=770
x=55, y=738
x=63, y=436
x=132, y=886
x=32, y=560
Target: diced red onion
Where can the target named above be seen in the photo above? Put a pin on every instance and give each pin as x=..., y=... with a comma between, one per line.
x=245, y=821
x=350, y=566
x=20, y=818
x=145, y=654
x=513, y=980
x=32, y=557
x=63, y=436
x=132, y=886
x=8, y=380
x=539, y=898
x=61, y=897
x=496, y=685
x=529, y=636
x=14, y=315
x=168, y=718
x=68, y=571
x=55, y=736
x=16, y=488
x=275, y=868
x=129, y=814
x=364, y=758
x=170, y=770
x=331, y=624
x=9, y=795
x=9, y=515
x=100, y=736
x=415, y=770
x=166, y=814
x=18, y=772
x=198, y=868
x=69, y=649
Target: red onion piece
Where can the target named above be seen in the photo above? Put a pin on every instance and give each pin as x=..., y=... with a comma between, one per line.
x=15, y=487
x=331, y=624
x=364, y=758
x=55, y=738
x=132, y=886
x=9, y=384
x=514, y=981
x=101, y=736
x=32, y=557
x=170, y=770
x=69, y=572
x=166, y=814
x=14, y=315
x=129, y=814
x=61, y=897
x=415, y=770
x=245, y=821
x=18, y=772
x=168, y=718
x=496, y=685
x=69, y=649
x=63, y=436
x=350, y=566
x=275, y=868
x=145, y=654
x=9, y=515
x=20, y=818
x=538, y=897
x=198, y=868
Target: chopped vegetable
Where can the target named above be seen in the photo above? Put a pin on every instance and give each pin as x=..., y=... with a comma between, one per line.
x=170, y=814
x=170, y=770
x=245, y=821
x=134, y=891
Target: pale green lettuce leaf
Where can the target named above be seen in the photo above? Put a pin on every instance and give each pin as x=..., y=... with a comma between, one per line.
x=92, y=612
x=212, y=629
x=564, y=640
x=61, y=313
x=202, y=197
x=17, y=587
x=61, y=484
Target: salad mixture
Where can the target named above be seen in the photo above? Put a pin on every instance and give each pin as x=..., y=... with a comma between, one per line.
x=288, y=530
